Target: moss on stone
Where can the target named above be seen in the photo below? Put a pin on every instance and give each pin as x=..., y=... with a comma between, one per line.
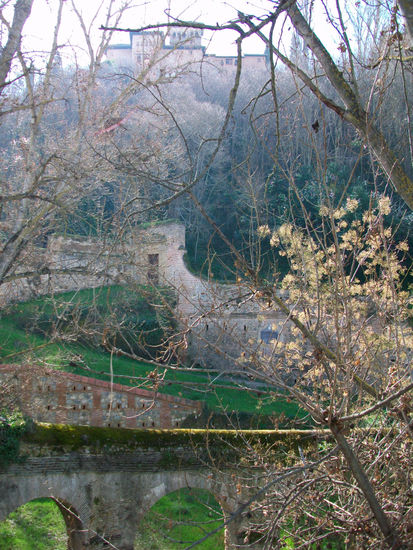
x=114, y=440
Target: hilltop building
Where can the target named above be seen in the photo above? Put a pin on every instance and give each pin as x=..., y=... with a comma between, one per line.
x=173, y=52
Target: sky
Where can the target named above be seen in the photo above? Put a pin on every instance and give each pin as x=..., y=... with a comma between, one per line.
x=39, y=28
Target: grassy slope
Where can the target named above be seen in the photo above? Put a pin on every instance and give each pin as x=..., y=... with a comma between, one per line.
x=25, y=345
x=180, y=518
x=37, y=525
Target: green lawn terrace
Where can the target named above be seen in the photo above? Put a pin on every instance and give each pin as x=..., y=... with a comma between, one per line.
x=52, y=332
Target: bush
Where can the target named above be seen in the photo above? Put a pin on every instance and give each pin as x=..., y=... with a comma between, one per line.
x=12, y=427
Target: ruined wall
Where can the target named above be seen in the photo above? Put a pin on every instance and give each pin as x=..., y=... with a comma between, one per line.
x=53, y=396
x=219, y=324
x=70, y=264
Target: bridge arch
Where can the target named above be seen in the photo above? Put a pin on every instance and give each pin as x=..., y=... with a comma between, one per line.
x=76, y=533
x=95, y=504
x=71, y=522
x=69, y=498
x=219, y=485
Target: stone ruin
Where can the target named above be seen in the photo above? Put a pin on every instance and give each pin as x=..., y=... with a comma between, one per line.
x=216, y=323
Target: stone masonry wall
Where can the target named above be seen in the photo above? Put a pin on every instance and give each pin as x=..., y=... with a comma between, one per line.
x=64, y=398
x=219, y=324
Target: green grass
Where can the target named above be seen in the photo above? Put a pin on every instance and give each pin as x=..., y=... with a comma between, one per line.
x=184, y=515
x=174, y=522
x=179, y=519
x=37, y=525
x=22, y=341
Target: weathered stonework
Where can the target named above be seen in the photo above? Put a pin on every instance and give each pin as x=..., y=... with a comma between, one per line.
x=104, y=480
x=58, y=397
x=218, y=323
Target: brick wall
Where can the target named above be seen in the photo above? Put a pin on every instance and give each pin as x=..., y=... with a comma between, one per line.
x=58, y=397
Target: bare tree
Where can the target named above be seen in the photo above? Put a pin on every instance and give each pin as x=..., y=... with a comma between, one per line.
x=343, y=348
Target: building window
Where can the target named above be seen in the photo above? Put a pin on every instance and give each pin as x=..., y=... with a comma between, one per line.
x=153, y=259
x=267, y=335
x=153, y=277
x=228, y=61
x=153, y=272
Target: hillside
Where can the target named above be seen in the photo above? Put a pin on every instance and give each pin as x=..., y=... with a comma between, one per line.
x=66, y=332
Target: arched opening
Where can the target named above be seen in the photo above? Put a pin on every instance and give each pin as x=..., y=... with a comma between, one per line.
x=36, y=525
x=179, y=519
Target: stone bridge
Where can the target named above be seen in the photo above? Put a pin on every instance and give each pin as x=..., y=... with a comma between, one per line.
x=104, y=480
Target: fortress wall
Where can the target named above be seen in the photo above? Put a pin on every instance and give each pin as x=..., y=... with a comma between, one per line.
x=64, y=398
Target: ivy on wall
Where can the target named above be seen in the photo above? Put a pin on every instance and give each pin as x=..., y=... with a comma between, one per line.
x=13, y=425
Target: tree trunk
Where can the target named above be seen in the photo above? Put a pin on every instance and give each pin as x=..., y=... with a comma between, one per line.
x=22, y=11
x=391, y=537
x=355, y=113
